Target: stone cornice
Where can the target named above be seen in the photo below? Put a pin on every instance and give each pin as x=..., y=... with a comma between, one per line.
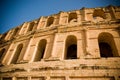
x=45, y=31
x=22, y=38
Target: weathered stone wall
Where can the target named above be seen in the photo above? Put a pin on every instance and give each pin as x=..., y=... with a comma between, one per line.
x=40, y=49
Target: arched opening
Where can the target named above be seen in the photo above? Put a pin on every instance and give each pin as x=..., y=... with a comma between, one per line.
x=105, y=50
x=31, y=26
x=99, y=13
x=72, y=17
x=1, y=53
x=17, y=54
x=107, y=45
x=50, y=21
x=40, y=50
x=71, y=47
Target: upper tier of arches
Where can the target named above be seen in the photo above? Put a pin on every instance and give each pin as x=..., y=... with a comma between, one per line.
x=94, y=15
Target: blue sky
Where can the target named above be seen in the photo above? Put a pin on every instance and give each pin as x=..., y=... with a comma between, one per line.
x=15, y=12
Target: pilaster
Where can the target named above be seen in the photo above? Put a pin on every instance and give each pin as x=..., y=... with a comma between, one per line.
x=83, y=13
x=112, y=12
x=40, y=22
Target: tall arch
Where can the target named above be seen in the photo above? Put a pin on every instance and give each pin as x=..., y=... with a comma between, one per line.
x=50, y=21
x=40, y=50
x=71, y=47
x=107, y=45
x=2, y=51
x=17, y=53
x=72, y=17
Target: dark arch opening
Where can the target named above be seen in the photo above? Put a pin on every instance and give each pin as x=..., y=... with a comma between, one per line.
x=50, y=21
x=17, y=53
x=71, y=47
x=72, y=17
x=105, y=50
x=72, y=52
x=99, y=13
x=40, y=50
x=31, y=26
x=107, y=45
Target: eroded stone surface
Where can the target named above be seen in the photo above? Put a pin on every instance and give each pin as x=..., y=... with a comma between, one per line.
x=75, y=45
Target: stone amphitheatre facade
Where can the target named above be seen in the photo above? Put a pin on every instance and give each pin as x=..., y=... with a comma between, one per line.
x=75, y=45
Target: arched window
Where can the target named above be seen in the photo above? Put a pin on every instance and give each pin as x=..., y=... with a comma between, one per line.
x=71, y=47
x=31, y=26
x=50, y=21
x=17, y=53
x=72, y=17
x=40, y=50
x=107, y=45
x=1, y=53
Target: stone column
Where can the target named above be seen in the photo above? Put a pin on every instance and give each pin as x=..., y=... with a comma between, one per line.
x=49, y=47
x=60, y=17
x=9, y=34
x=40, y=23
x=58, y=46
x=83, y=17
x=53, y=54
x=23, y=28
x=84, y=44
x=56, y=22
x=92, y=47
x=28, y=26
x=78, y=17
x=29, y=49
x=63, y=18
x=46, y=21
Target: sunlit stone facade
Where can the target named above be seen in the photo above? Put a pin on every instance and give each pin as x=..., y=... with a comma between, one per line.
x=75, y=45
